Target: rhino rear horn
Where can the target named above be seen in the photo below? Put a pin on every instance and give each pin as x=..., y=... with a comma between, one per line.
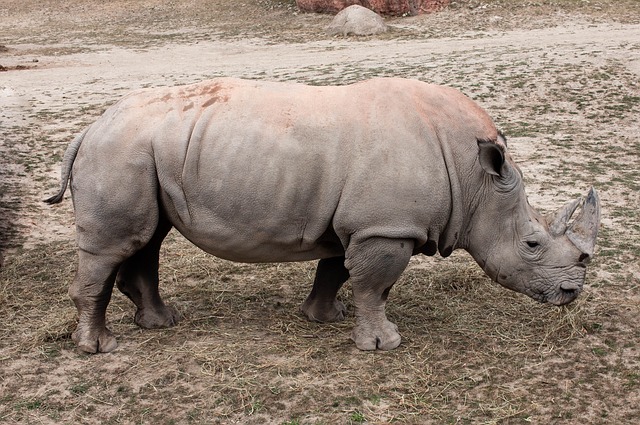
x=559, y=222
x=584, y=230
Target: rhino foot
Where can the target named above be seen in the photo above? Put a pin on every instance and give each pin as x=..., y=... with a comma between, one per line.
x=370, y=336
x=92, y=342
x=160, y=317
x=324, y=312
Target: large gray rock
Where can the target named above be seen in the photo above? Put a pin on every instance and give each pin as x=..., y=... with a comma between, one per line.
x=383, y=7
x=356, y=20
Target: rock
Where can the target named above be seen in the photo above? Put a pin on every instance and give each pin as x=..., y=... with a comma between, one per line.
x=383, y=7
x=356, y=20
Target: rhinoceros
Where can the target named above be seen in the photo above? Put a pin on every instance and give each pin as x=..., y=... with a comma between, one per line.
x=361, y=177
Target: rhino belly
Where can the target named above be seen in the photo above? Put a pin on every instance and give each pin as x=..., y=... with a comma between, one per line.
x=245, y=195
x=242, y=243
x=242, y=227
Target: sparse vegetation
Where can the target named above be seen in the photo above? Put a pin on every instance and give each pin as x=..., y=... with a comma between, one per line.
x=472, y=352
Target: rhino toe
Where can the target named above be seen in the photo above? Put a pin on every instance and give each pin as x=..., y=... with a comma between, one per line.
x=90, y=342
x=369, y=337
x=162, y=317
x=323, y=312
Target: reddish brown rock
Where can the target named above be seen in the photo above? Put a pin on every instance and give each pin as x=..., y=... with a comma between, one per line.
x=383, y=7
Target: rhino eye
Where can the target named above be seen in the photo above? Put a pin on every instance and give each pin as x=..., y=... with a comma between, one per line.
x=532, y=244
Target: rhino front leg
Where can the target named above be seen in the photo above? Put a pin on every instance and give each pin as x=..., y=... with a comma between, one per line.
x=375, y=265
x=321, y=305
x=138, y=279
x=91, y=293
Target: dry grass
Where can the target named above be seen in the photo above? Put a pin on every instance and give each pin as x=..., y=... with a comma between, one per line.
x=243, y=352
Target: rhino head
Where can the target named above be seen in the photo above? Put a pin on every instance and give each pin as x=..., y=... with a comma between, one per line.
x=542, y=257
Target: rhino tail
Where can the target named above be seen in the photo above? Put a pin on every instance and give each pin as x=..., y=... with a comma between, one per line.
x=67, y=163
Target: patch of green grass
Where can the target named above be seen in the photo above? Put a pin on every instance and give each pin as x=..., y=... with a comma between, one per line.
x=32, y=404
x=356, y=417
x=633, y=380
x=80, y=388
x=256, y=406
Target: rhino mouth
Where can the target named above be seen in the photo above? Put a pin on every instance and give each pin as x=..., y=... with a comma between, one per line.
x=565, y=294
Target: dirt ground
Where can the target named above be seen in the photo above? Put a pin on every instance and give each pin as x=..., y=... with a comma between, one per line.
x=561, y=78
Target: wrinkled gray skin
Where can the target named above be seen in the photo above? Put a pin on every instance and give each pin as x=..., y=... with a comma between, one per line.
x=361, y=177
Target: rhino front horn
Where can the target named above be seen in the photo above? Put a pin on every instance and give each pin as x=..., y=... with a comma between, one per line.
x=584, y=230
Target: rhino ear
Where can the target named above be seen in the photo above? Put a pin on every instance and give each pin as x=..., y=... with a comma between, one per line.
x=491, y=156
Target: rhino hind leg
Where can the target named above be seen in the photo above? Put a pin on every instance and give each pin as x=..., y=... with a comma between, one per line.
x=138, y=279
x=375, y=265
x=91, y=300
x=321, y=305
